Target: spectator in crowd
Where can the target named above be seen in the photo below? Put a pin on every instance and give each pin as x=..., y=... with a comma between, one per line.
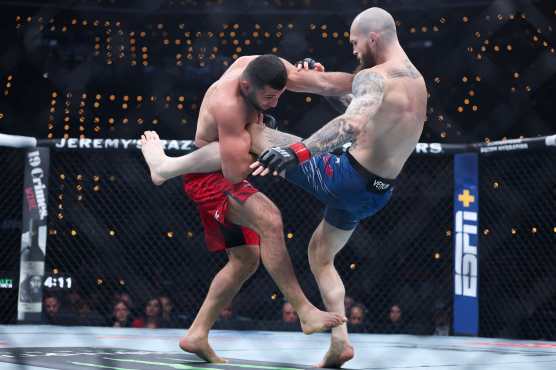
x=441, y=319
x=121, y=315
x=357, y=318
x=152, y=315
x=85, y=315
x=126, y=297
x=395, y=323
x=441, y=322
x=288, y=313
x=169, y=316
x=73, y=298
x=54, y=314
x=357, y=314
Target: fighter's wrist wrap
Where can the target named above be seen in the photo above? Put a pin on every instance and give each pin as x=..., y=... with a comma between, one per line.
x=301, y=152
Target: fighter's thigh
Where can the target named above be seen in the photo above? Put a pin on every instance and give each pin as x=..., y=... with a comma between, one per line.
x=258, y=212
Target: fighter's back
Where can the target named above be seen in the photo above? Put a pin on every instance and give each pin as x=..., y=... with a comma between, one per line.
x=390, y=136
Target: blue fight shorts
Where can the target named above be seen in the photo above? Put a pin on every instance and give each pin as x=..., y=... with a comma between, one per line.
x=350, y=192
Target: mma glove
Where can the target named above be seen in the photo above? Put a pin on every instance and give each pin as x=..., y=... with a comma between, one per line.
x=269, y=121
x=282, y=158
x=310, y=63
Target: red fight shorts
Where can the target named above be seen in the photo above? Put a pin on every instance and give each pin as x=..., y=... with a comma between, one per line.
x=210, y=192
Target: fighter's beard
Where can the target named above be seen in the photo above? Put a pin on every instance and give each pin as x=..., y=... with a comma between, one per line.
x=250, y=100
x=364, y=63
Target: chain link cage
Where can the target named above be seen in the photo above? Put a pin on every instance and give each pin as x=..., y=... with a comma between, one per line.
x=518, y=235
x=11, y=162
x=113, y=235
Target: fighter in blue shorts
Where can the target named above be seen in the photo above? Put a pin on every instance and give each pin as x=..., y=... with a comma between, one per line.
x=384, y=119
x=350, y=192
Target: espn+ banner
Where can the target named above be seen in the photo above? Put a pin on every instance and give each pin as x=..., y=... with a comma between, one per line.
x=33, y=234
x=466, y=244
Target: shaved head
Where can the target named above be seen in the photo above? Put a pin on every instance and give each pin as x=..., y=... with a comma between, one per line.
x=375, y=20
x=372, y=34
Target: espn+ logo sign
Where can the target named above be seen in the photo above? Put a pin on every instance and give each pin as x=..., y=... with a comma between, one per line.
x=466, y=261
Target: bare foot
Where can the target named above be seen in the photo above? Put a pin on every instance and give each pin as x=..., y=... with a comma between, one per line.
x=338, y=354
x=151, y=147
x=200, y=347
x=316, y=321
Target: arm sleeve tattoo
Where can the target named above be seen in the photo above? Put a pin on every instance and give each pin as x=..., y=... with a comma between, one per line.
x=339, y=103
x=368, y=91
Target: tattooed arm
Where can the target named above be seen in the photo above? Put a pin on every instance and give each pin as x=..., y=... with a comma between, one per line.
x=368, y=91
x=339, y=103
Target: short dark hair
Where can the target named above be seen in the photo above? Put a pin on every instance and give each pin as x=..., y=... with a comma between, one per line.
x=265, y=70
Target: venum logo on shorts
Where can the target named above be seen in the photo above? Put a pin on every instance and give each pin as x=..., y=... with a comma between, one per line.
x=466, y=262
x=380, y=185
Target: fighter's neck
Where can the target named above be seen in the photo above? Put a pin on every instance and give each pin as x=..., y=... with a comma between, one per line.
x=246, y=99
x=392, y=52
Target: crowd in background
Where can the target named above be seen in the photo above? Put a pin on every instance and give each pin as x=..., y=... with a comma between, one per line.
x=159, y=311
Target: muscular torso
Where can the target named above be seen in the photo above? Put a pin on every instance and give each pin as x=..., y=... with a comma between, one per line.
x=225, y=89
x=389, y=137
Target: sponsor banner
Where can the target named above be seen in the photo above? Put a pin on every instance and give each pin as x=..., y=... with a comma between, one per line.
x=504, y=146
x=466, y=244
x=122, y=144
x=6, y=283
x=33, y=234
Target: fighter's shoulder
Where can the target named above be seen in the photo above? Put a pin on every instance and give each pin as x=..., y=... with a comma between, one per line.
x=402, y=69
x=227, y=109
x=368, y=80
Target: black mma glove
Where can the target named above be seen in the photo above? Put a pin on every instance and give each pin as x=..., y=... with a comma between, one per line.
x=310, y=63
x=285, y=157
x=269, y=121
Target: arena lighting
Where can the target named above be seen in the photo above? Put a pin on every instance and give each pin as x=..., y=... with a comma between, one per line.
x=73, y=232
x=290, y=235
x=112, y=232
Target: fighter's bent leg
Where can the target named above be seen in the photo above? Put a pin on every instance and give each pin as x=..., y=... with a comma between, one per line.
x=242, y=263
x=163, y=167
x=263, y=138
x=325, y=243
x=206, y=159
x=260, y=214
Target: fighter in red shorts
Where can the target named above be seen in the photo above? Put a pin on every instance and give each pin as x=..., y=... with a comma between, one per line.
x=232, y=211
